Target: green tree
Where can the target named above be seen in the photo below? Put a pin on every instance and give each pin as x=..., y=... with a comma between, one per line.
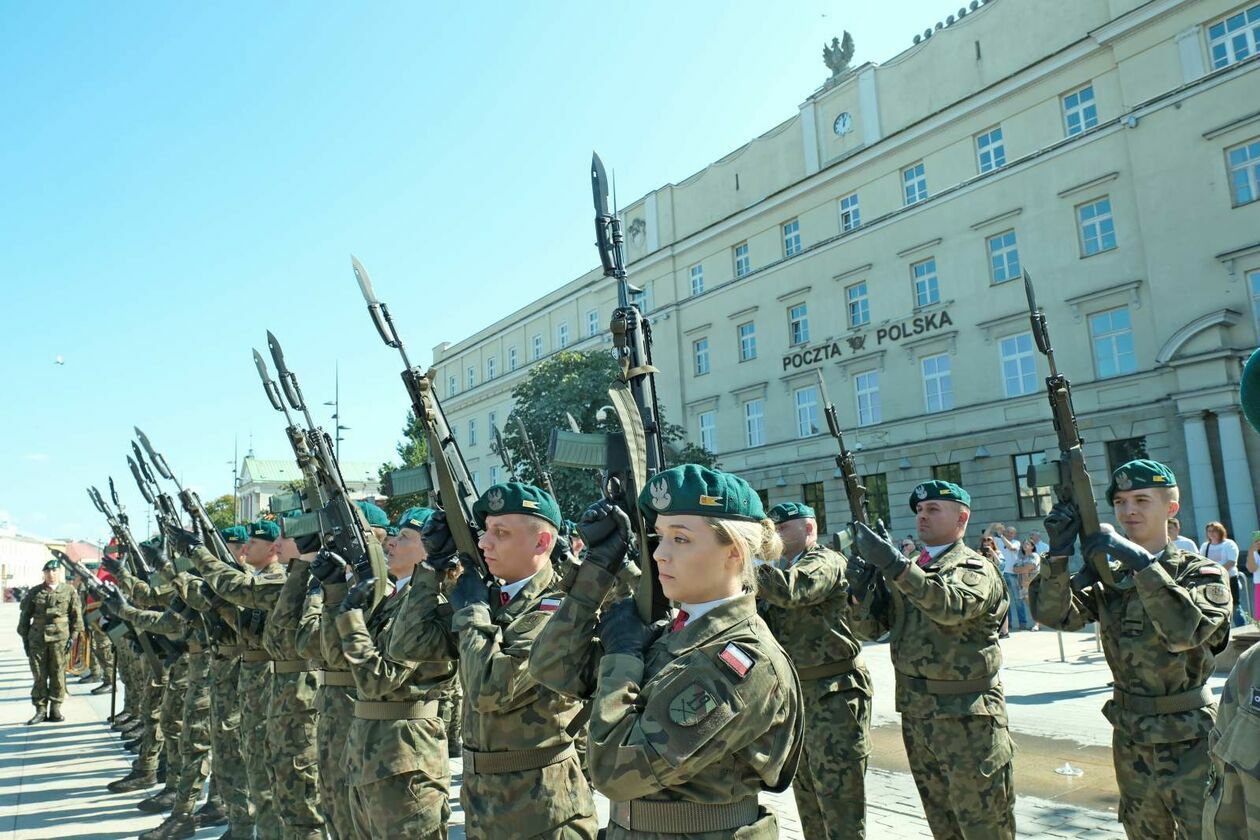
x=222, y=511
x=576, y=383
x=413, y=450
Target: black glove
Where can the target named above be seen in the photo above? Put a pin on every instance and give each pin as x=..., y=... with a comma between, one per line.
x=114, y=601
x=113, y=565
x=622, y=631
x=1131, y=555
x=185, y=541
x=439, y=542
x=360, y=596
x=329, y=567
x=181, y=609
x=308, y=544
x=1063, y=526
x=605, y=529
x=442, y=564
x=877, y=549
x=469, y=589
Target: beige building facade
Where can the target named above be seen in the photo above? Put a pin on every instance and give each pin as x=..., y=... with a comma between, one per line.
x=1109, y=147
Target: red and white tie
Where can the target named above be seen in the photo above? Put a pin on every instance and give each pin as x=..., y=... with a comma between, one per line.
x=680, y=621
x=924, y=558
x=504, y=598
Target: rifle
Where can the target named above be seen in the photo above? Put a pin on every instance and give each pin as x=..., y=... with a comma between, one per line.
x=455, y=489
x=119, y=524
x=191, y=503
x=633, y=396
x=500, y=446
x=117, y=628
x=330, y=512
x=539, y=467
x=863, y=577
x=1068, y=474
x=164, y=509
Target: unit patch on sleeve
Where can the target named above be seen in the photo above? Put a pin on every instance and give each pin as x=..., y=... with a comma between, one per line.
x=691, y=705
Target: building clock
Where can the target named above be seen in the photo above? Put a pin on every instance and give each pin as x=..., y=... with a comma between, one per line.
x=843, y=124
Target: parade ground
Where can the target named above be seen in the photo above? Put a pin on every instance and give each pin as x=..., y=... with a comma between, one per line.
x=53, y=776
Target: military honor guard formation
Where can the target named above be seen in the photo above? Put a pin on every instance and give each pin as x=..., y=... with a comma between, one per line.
x=678, y=648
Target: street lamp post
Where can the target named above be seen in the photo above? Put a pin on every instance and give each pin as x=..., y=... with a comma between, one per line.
x=335, y=402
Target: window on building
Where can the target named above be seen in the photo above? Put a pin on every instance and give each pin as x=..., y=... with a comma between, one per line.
x=1034, y=502
x=1244, y=172
x=877, y=497
x=1003, y=256
x=914, y=183
x=1234, y=38
x=472, y=378
x=815, y=495
x=850, y=213
x=798, y=324
x=700, y=352
x=806, y=400
x=927, y=290
x=866, y=391
x=452, y=385
x=859, y=305
x=754, y=423
x=990, y=150
x=472, y=431
x=1253, y=283
x=1019, y=364
x=1121, y=452
x=643, y=298
x=512, y=358
x=747, y=341
x=708, y=430
x=492, y=420
x=697, y=279
x=536, y=347
x=476, y=478
x=494, y=474
x=592, y=322
x=948, y=472
x=1080, y=113
x=1098, y=231
x=492, y=367
x=562, y=335
x=743, y=264
x=938, y=385
x=1111, y=334
x=792, y=238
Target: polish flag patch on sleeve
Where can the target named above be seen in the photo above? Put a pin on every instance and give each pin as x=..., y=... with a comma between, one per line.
x=736, y=659
x=549, y=604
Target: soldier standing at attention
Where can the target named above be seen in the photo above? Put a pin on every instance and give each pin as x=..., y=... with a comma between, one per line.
x=805, y=603
x=50, y=618
x=1159, y=623
x=1233, y=788
x=521, y=773
x=945, y=612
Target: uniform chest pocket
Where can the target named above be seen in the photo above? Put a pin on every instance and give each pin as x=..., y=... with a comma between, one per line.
x=1133, y=622
x=1239, y=744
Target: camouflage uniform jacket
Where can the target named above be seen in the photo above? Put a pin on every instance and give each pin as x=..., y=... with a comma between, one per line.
x=221, y=620
x=1233, y=798
x=50, y=614
x=258, y=591
x=711, y=714
x=389, y=747
x=805, y=604
x=139, y=592
x=1157, y=629
x=944, y=620
x=280, y=634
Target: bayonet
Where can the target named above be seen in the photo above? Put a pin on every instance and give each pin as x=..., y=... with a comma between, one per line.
x=501, y=446
x=140, y=482
x=269, y=387
x=159, y=463
x=539, y=467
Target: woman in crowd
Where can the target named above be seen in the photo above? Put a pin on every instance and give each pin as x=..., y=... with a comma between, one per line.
x=1220, y=548
x=1026, y=568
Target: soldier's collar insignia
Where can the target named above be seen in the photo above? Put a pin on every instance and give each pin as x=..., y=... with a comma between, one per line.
x=921, y=492
x=1123, y=481
x=660, y=495
x=692, y=705
x=710, y=501
x=494, y=500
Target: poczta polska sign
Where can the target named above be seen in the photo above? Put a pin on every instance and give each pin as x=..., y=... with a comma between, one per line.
x=887, y=334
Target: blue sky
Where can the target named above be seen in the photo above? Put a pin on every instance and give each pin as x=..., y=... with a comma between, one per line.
x=181, y=177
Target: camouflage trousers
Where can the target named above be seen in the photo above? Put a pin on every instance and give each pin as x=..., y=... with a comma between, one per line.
x=335, y=705
x=172, y=719
x=451, y=710
x=102, y=652
x=150, y=711
x=962, y=768
x=254, y=697
x=225, y=748
x=493, y=804
x=414, y=803
x=291, y=745
x=194, y=740
x=830, y=784
x=1162, y=787
x=48, y=667
x=131, y=686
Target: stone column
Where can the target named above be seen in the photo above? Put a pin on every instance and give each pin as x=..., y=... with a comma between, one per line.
x=1238, y=486
x=1202, y=479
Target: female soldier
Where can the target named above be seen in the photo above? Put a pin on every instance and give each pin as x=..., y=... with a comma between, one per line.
x=690, y=720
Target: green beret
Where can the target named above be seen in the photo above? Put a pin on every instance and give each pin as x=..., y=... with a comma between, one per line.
x=235, y=534
x=392, y=531
x=787, y=511
x=1139, y=475
x=376, y=518
x=568, y=528
x=940, y=491
x=693, y=489
x=1249, y=394
x=414, y=518
x=515, y=497
x=52, y=565
x=265, y=529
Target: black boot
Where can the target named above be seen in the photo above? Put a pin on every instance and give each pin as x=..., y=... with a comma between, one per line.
x=103, y=688
x=212, y=813
x=87, y=678
x=39, y=717
x=159, y=803
x=132, y=730
x=135, y=780
x=175, y=826
x=132, y=746
x=121, y=721
x=54, y=712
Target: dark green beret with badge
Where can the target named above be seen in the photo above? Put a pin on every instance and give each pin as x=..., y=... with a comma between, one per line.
x=1141, y=474
x=700, y=491
x=235, y=534
x=414, y=518
x=376, y=518
x=516, y=497
x=938, y=491
x=52, y=565
x=787, y=511
x=264, y=529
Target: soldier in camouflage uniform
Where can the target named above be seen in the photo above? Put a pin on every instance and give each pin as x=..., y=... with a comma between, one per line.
x=1233, y=792
x=521, y=773
x=49, y=620
x=691, y=719
x=805, y=602
x=944, y=613
x=1159, y=623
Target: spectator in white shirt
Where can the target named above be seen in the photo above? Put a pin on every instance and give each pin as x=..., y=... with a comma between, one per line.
x=1042, y=547
x=1008, y=547
x=1223, y=550
x=1175, y=537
